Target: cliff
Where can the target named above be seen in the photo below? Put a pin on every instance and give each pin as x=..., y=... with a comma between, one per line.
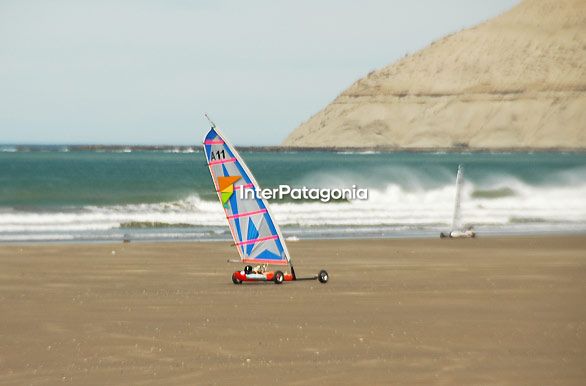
x=516, y=81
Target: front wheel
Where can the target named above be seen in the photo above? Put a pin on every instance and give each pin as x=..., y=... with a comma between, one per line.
x=235, y=279
x=279, y=277
x=323, y=276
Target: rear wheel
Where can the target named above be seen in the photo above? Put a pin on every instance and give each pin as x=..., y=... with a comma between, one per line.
x=279, y=277
x=235, y=279
x=323, y=276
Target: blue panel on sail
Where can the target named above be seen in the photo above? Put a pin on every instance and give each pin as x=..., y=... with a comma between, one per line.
x=252, y=235
x=268, y=255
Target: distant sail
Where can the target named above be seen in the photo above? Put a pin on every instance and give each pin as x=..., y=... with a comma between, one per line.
x=255, y=233
x=456, y=220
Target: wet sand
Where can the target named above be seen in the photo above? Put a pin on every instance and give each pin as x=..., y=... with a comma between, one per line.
x=485, y=311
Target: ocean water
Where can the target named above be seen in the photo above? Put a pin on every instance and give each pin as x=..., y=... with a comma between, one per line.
x=60, y=195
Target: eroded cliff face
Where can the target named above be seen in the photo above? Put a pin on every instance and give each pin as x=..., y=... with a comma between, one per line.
x=516, y=81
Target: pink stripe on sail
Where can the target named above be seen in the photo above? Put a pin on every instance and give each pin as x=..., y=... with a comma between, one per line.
x=247, y=214
x=252, y=241
x=212, y=142
x=222, y=161
x=243, y=186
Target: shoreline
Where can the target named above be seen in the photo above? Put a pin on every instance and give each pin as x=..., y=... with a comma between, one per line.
x=426, y=236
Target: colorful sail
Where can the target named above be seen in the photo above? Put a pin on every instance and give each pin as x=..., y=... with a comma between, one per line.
x=255, y=233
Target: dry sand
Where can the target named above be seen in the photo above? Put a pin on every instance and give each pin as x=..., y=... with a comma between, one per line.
x=516, y=81
x=484, y=311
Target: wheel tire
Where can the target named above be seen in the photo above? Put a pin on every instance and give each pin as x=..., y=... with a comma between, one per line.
x=279, y=277
x=323, y=276
x=235, y=280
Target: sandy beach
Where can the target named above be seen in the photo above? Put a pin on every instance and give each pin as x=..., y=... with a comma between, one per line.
x=484, y=311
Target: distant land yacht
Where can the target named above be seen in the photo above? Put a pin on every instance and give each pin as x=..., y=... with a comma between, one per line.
x=457, y=230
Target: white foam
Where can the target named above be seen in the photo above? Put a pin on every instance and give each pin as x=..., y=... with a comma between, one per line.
x=393, y=206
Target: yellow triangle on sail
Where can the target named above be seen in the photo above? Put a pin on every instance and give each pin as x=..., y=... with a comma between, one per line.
x=226, y=187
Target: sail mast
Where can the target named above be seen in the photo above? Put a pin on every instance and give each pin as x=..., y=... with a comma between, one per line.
x=459, y=183
x=210, y=121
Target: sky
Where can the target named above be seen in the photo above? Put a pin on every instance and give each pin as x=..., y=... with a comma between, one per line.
x=145, y=71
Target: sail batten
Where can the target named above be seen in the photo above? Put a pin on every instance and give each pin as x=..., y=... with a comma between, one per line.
x=256, y=235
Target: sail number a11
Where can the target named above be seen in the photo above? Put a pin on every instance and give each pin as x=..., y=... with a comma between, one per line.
x=217, y=155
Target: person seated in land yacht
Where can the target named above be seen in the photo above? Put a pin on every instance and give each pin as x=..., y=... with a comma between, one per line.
x=249, y=269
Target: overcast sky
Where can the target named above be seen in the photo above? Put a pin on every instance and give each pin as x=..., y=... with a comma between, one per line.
x=144, y=71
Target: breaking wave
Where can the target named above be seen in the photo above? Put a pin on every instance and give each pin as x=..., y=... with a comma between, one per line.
x=509, y=204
